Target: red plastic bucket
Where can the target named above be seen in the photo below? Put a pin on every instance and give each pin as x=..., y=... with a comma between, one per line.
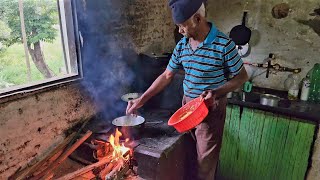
x=189, y=115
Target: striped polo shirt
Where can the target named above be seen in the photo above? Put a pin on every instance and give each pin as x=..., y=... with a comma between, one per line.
x=209, y=66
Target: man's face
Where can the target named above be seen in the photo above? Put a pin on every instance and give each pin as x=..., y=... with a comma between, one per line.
x=188, y=28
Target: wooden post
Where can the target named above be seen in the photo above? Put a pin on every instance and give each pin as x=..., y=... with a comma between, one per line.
x=24, y=39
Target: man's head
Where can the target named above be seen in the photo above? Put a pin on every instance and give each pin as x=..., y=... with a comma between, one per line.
x=188, y=15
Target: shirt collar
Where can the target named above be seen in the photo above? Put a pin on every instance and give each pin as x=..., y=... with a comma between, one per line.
x=211, y=35
x=185, y=40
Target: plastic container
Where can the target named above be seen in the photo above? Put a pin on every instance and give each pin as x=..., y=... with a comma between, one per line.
x=305, y=89
x=314, y=95
x=293, y=91
x=287, y=82
x=189, y=115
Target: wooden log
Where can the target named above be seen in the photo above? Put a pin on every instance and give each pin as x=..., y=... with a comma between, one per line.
x=114, y=171
x=23, y=174
x=48, y=176
x=86, y=169
x=107, y=169
x=63, y=156
x=79, y=131
x=86, y=176
x=123, y=170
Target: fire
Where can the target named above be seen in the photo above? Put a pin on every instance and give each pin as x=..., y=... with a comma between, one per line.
x=118, y=150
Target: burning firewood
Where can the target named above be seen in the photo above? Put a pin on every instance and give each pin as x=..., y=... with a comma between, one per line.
x=120, y=167
x=113, y=159
x=102, y=149
x=120, y=154
x=119, y=171
x=108, y=168
x=114, y=171
x=86, y=169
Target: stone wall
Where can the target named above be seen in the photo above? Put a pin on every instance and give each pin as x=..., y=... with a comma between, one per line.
x=144, y=25
x=295, y=39
x=31, y=126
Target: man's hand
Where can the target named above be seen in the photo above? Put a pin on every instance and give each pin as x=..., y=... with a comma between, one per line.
x=133, y=106
x=158, y=85
x=209, y=98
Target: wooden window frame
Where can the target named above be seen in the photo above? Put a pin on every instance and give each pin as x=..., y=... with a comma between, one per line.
x=73, y=49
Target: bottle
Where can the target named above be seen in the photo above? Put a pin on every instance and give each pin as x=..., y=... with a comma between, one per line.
x=314, y=95
x=294, y=87
x=305, y=89
x=287, y=82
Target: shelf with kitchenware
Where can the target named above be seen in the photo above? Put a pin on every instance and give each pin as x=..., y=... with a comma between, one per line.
x=303, y=110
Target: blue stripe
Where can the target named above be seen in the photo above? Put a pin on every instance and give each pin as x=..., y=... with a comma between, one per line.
x=236, y=61
x=236, y=68
x=202, y=62
x=207, y=73
x=232, y=56
x=200, y=75
x=196, y=90
x=217, y=46
x=201, y=82
x=229, y=49
x=208, y=54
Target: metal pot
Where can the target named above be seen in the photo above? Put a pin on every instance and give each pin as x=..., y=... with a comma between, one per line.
x=269, y=100
x=131, y=126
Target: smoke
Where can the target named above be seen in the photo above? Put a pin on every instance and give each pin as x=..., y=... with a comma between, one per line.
x=107, y=77
x=107, y=62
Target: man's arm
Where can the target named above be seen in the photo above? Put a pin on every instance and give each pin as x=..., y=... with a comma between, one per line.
x=158, y=85
x=234, y=65
x=231, y=85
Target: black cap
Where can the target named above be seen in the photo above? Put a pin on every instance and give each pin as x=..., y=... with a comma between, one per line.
x=182, y=10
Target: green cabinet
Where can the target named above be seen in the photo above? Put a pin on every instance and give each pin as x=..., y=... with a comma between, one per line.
x=262, y=145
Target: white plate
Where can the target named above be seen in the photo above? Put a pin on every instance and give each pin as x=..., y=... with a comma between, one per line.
x=243, y=50
x=130, y=96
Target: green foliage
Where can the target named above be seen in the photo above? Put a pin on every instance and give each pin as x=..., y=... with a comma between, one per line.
x=4, y=30
x=40, y=16
x=13, y=70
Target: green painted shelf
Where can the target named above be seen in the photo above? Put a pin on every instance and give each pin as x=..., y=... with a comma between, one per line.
x=262, y=145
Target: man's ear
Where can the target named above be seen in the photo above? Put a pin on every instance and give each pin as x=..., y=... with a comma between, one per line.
x=197, y=18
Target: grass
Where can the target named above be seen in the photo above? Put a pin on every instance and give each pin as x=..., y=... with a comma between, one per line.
x=13, y=68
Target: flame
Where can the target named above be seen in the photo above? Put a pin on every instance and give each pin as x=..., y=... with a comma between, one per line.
x=118, y=150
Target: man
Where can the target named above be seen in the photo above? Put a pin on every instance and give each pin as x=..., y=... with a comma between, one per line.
x=208, y=58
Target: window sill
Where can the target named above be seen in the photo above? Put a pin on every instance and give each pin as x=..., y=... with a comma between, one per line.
x=17, y=92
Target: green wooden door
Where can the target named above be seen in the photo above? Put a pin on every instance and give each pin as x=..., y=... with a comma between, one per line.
x=262, y=145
